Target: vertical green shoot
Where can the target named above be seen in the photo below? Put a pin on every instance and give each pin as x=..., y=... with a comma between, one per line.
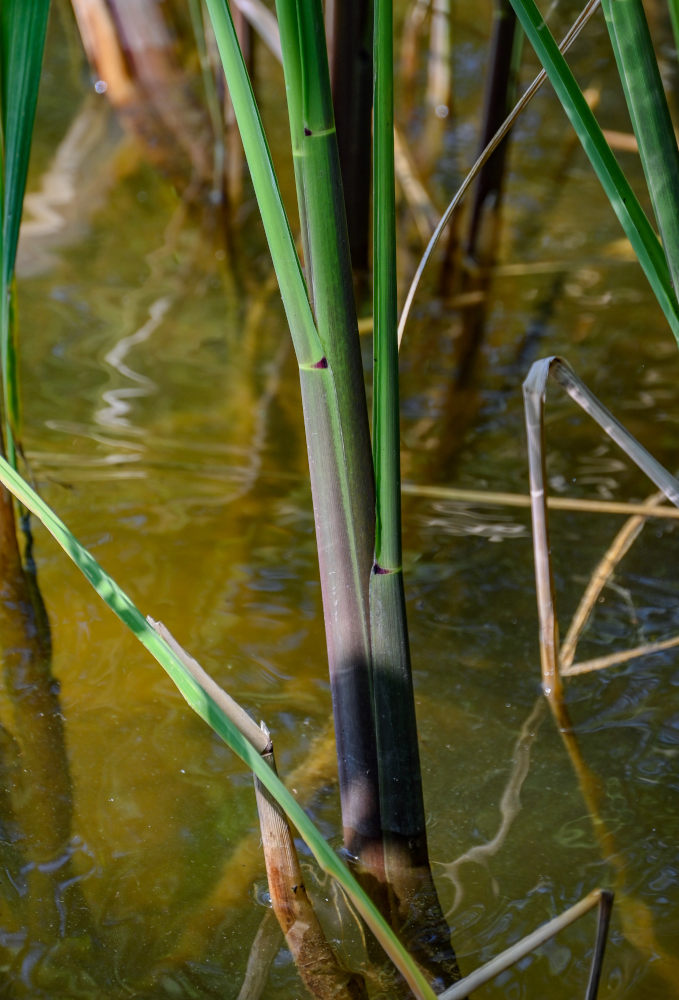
x=400, y=780
x=22, y=40
x=385, y=379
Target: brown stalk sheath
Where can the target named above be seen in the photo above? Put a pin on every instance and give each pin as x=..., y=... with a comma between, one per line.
x=318, y=966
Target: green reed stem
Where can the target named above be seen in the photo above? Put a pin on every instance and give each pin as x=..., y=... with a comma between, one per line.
x=333, y=395
x=338, y=437
x=385, y=375
x=400, y=780
x=623, y=200
x=640, y=78
x=401, y=797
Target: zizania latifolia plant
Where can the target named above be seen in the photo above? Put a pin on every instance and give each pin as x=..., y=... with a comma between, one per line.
x=356, y=491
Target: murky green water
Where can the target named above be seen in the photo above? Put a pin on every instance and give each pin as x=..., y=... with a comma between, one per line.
x=162, y=422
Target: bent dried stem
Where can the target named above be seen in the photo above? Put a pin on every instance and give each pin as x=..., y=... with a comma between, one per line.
x=534, y=389
x=317, y=964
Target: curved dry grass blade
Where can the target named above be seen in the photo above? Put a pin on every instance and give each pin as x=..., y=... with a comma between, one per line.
x=618, y=548
x=561, y=371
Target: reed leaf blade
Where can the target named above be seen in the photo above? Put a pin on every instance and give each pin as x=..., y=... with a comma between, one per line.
x=623, y=200
x=645, y=96
x=265, y=183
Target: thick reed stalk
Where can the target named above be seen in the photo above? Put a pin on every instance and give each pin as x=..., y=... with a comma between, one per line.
x=336, y=423
x=337, y=433
x=400, y=780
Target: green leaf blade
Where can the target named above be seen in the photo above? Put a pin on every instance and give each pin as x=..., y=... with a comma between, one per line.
x=623, y=200
x=276, y=225
x=645, y=96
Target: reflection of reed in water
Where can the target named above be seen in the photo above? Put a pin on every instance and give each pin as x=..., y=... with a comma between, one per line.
x=44, y=898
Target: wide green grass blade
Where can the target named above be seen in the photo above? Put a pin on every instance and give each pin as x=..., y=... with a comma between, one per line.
x=640, y=78
x=212, y=713
x=264, y=181
x=623, y=200
x=22, y=40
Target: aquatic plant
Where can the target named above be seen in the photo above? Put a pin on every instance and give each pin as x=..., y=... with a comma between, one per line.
x=358, y=531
